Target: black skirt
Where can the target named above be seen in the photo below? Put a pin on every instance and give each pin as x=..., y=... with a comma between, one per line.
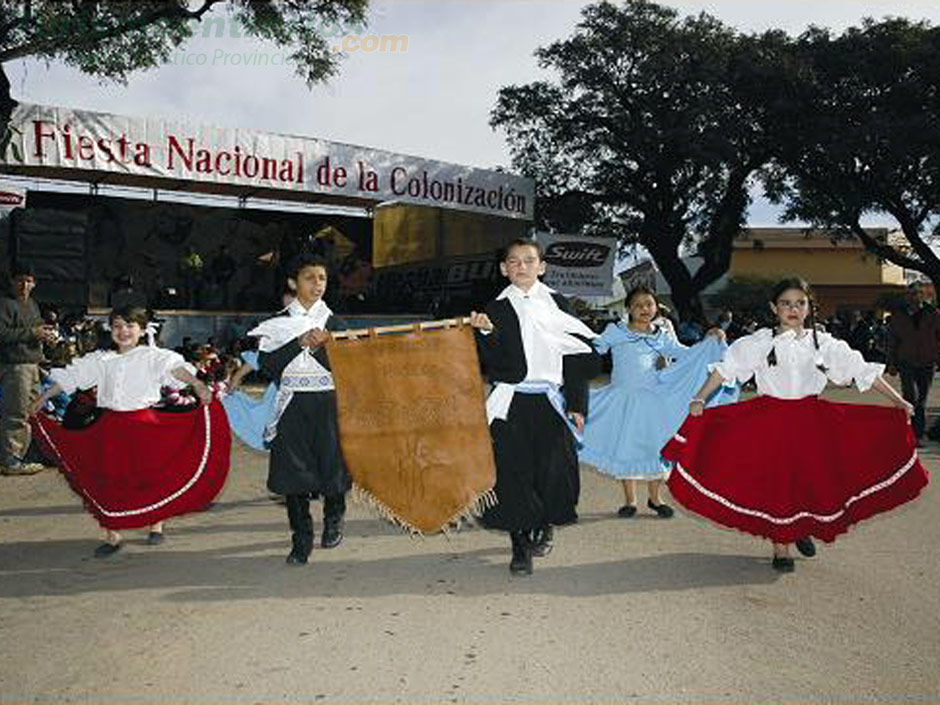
x=537, y=480
x=305, y=455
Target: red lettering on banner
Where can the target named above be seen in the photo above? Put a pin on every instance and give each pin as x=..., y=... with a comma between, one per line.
x=86, y=147
x=173, y=147
x=40, y=133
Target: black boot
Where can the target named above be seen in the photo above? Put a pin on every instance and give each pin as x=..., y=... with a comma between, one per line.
x=543, y=541
x=334, y=509
x=521, y=563
x=301, y=524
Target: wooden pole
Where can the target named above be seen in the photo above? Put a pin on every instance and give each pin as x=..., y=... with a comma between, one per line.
x=405, y=328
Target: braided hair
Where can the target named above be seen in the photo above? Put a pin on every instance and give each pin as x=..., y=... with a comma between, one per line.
x=799, y=284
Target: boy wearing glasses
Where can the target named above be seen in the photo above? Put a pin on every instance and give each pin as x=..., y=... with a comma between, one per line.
x=539, y=359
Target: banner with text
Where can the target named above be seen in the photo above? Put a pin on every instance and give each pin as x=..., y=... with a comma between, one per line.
x=80, y=144
x=579, y=266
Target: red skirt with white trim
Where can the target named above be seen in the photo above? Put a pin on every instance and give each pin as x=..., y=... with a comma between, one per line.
x=786, y=469
x=135, y=468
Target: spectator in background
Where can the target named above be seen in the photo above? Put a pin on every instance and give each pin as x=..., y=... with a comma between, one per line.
x=124, y=294
x=22, y=335
x=727, y=323
x=689, y=332
x=222, y=268
x=913, y=342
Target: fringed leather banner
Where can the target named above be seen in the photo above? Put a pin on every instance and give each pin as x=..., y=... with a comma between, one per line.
x=412, y=425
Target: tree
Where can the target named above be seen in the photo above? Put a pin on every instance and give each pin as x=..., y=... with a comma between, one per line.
x=861, y=136
x=651, y=133
x=113, y=38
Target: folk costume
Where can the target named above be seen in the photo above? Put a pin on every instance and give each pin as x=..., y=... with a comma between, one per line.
x=653, y=379
x=788, y=465
x=306, y=459
x=539, y=359
x=135, y=465
x=248, y=416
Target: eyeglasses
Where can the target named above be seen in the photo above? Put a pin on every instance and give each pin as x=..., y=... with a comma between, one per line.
x=520, y=261
x=798, y=304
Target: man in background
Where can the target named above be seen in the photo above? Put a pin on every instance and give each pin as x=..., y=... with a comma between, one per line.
x=22, y=334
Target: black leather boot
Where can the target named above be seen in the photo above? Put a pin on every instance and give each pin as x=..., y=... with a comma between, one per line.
x=301, y=524
x=521, y=563
x=334, y=509
x=543, y=541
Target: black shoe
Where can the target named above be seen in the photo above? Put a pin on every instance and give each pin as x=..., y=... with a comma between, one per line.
x=296, y=558
x=663, y=511
x=154, y=538
x=543, y=541
x=626, y=511
x=806, y=547
x=106, y=550
x=332, y=534
x=521, y=563
x=783, y=564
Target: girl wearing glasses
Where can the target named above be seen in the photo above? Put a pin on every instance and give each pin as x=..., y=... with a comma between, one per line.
x=787, y=465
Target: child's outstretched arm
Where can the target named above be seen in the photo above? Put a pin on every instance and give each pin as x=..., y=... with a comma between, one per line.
x=202, y=391
x=892, y=395
x=697, y=405
x=53, y=391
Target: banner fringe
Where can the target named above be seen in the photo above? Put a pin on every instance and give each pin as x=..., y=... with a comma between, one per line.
x=474, y=508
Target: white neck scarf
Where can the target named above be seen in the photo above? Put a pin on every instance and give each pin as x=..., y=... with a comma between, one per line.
x=546, y=329
x=276, y=332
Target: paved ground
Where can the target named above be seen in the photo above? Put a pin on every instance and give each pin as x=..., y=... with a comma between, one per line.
x=623, y=610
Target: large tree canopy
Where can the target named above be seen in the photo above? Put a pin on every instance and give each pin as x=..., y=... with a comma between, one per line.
x=651, y=133
x=861, y=136
x=113, y=38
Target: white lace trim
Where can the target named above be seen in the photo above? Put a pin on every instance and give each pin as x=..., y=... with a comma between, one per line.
x=799, y=515
x=156, y=505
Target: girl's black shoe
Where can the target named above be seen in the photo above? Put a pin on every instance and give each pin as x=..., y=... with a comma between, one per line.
x=806, y=547
x=107, y=549
x=663, y=511
x=626, y=511
x=784, y=564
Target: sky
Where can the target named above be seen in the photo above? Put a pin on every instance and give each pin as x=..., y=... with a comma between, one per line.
x=431, y=100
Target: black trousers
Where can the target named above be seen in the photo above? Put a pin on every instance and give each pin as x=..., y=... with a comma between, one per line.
x=915, y=384
x=301, y=521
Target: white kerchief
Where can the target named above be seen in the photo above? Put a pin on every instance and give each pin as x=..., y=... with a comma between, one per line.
x=546, y=338
x=546, y=331
x=276, y=332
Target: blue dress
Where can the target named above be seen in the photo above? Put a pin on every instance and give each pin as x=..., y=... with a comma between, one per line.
x=248, y=416
x=633, y=417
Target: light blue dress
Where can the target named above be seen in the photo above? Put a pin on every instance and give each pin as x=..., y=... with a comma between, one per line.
x=632, y=418
x=248, y=416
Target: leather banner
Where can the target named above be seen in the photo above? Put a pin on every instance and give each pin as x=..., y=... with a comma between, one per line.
x=412, y=425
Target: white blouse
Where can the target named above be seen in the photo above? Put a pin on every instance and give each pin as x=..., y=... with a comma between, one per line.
x=125, y=381
x=797, y=372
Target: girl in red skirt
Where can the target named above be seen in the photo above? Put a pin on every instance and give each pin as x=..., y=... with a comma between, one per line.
x=839, y=463
x=136, y=465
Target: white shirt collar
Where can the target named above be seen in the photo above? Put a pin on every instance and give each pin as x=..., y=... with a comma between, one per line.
x=537, y=291
x=297, y=309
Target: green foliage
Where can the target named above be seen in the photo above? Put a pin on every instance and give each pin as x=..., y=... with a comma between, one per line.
x=113, y=38
x=650, y=132
x=746, y=296
x=860, y=135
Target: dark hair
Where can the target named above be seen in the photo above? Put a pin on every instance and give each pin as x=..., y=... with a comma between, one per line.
x=638, y=291
x=131, y=314
x=305, y=259
x=799, y=284
x=522, y=242
x=22, y=269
